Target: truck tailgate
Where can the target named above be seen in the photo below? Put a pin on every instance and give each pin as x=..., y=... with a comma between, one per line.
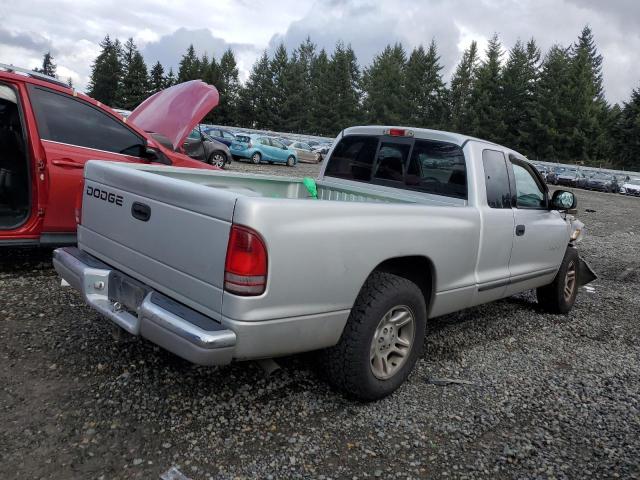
x=165, y=232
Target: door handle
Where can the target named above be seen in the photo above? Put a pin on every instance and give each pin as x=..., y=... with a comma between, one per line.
x=519, y=230
x=67, y=162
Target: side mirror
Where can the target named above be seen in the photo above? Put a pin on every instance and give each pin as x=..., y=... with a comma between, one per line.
x=563, y=200
x=155, y=156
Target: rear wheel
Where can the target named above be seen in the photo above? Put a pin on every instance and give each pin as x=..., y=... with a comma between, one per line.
x=256, y=158
x=291, y=161
x=382, y=340
x=560, y=295
x=217, y=159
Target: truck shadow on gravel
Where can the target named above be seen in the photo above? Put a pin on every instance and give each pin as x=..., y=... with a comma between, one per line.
x=25, y=259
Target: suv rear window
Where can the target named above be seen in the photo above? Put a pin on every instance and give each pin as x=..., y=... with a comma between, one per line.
x=428, y=166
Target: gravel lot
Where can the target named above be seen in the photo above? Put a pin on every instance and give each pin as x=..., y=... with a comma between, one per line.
x=550, y=396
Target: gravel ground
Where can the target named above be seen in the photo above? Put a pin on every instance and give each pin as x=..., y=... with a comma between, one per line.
x=550, y=396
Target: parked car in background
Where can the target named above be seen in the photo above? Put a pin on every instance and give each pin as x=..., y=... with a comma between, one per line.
x=322, y=149
x=220, y=134
x=261, y=148
x=48, y=131
x=601, y=181
x=202, y=147
x=305, y=153
x=631, y=187
x=568, y=176
x=285, y=140
x=544, y=171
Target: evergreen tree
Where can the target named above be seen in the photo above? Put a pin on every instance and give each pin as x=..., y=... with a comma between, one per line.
x=106, y=73
x=295, y=107
x=134, y=87
x=589, y=108
x=486, y=119
x=323, y=118
x=628, y=127
x=306, y=55
x=384, y=85
x=425, y=90
x=345, y=83
x=257, y=97
x=461, y=87
x=170, y=79
x=156, y=78
x=279, y=66
x=518, y=83
x=190, y=67
x=229, y=89
x=552, y=121
x=48, y=66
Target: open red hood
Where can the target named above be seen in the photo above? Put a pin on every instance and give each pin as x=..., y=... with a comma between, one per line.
x=174, y=112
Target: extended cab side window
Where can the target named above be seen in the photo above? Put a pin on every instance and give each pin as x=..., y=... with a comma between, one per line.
x=529, y=192
x=65, y=119
x=496, y=179
x=437, y=167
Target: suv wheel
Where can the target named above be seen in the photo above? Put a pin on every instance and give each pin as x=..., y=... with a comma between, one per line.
x=291, y=161
x=256, y=158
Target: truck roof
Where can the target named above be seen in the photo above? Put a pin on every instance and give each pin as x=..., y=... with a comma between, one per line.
x=426, y=133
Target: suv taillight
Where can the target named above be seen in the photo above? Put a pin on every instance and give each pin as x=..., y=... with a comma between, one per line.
x=245, y=270
x=78, y=206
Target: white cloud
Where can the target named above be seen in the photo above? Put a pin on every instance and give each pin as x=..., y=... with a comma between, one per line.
x=72, y=29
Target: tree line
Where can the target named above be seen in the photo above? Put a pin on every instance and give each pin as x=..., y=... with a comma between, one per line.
x=549, y=107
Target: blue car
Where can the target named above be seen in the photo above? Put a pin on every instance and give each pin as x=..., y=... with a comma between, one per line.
x=220, y=134
x=260, y=148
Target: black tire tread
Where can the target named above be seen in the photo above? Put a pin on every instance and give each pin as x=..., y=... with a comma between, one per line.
x=551, y=297
x=337, y=361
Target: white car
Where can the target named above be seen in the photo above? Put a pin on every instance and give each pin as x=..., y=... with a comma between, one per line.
x=631, y=187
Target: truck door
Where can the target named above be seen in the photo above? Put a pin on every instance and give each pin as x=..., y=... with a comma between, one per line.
x=72, y=132
x=540, y=235
x=497, y=228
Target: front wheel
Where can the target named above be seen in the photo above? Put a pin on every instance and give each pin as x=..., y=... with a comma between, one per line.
x=381, y=341
x=256, y=158
x=291, y=161
x=560, y=295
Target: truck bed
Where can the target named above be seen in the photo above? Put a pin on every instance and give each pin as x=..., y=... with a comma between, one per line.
x=180, y=249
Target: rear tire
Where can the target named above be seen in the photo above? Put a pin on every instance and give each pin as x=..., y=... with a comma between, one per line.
x=217, y=159
x=560, y=295
x=291, y=161
x=256, y=158
x=377, y=351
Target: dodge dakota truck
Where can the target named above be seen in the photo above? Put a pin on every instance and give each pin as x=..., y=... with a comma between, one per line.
x=402, y=225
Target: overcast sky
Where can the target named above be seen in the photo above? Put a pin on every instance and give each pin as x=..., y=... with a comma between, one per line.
x=72, y=29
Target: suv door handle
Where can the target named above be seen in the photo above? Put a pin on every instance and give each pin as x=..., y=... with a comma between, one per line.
x=519, y=230
x=67, y=162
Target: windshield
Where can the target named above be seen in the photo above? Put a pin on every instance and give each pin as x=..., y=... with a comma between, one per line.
x=634, y=181
x=600, y=176
x=243, y=138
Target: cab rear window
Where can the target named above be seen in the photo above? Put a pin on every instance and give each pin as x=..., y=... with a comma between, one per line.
x=428, y=166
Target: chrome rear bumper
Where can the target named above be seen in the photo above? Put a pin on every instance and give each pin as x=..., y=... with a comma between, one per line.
x=173, y=326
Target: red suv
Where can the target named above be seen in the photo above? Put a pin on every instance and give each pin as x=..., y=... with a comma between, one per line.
x=48, y=131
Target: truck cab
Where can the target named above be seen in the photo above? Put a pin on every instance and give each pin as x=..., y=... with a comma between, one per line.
x=48, y=132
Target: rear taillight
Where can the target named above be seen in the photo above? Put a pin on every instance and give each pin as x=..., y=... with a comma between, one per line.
x=78, y=206
x=250, y=145
x=245, y=270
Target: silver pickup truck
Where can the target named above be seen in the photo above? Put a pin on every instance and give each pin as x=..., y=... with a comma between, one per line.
x=402, y=225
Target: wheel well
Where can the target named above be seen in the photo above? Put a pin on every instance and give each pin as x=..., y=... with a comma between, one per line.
x=417, y=269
